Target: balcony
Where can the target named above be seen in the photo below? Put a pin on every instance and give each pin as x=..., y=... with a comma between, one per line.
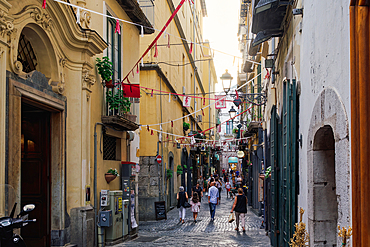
x=118, y=111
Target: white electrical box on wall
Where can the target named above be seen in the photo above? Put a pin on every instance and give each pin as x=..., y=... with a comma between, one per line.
x=104, y=198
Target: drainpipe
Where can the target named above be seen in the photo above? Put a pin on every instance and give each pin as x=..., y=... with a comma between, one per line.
x=95, y=183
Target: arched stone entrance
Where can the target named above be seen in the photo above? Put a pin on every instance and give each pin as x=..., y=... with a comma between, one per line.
x=324, y=188
x=328, y=178
x=171, y=199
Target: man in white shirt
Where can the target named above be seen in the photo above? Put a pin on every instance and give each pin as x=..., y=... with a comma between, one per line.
x=213, y=197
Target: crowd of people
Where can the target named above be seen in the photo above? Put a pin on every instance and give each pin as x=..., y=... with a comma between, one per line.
x=235, y=187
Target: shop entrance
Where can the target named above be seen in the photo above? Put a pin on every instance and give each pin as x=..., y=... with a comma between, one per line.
x=35, y=173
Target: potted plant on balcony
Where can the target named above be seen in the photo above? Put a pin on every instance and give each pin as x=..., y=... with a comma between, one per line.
x=185, y=126
x=111, y=175
x=116, y=101
x=105, y=70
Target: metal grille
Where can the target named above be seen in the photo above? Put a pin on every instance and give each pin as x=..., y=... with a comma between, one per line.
x=26, y=55
x=109, y=147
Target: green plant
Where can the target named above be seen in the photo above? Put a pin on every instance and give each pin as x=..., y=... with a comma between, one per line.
x=185, y=125
x=105, y=68
x=169, y=173
x=235, y=131
x=113, y=171
x=179, y=170
x=117, y=101
x=268, y=172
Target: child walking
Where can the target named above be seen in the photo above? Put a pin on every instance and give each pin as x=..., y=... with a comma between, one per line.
x=195, y=206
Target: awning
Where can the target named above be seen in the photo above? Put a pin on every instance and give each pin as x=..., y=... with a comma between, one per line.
x=268, y=15
x=253, y=49
x=264, y=36
x=233, y=160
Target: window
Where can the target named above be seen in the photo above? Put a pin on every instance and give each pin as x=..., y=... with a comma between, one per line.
x=111, y=147
x=26, y=55
x=114, y=48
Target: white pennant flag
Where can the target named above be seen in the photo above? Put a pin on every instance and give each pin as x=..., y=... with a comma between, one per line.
x=78, y=16
x=192, y=141
x=186, y=101
x=142, y=31
x=169, y=97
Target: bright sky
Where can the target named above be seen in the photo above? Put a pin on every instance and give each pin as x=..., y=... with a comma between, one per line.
x=221, y=29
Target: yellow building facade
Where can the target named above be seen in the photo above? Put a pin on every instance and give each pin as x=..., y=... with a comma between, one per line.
x=180, y=69
x=52, y=104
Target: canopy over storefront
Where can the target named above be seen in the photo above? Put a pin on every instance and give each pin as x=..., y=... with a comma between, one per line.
x=233, y=160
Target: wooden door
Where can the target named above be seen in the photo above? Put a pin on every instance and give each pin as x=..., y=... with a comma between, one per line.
x=35, y=174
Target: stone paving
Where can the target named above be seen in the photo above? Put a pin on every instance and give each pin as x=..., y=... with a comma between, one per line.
x=204, y=232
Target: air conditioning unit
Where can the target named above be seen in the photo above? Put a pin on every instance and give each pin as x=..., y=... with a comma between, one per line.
x=199, y=118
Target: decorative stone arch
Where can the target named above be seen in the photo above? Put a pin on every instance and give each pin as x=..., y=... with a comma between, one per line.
x=328, y=136
x=57, y=35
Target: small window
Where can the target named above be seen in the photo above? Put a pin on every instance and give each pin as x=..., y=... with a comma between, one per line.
x=111, y=147
x=26, y=55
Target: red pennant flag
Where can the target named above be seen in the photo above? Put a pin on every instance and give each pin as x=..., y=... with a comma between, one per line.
x=168, y=45
x=128, y=81
x=167, y=136
x=237, y=95
x=174, y=144
x=147, y=127
x=131, y=90
x=152, y=132
x=202, y=112
x=227, y=123
x=204, y=101
x=137, y=68
x=44, y=4
x=171, y=123
x=118, y=30
x=155, y=50
x=152, y=93
x=191, y=48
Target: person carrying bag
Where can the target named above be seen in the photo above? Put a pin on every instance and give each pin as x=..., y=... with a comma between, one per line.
x=240, y=207
x=182, y=203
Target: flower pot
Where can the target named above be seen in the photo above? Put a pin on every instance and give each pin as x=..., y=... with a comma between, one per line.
x=109, y=177
x=109, y=84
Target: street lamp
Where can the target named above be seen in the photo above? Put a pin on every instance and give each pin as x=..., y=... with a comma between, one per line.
x=239, y=127
x=226, y=81
x=232, y=112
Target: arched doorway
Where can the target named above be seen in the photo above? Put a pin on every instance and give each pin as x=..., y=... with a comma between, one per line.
x=328, y=169
x=324, y=188
x=171, y=199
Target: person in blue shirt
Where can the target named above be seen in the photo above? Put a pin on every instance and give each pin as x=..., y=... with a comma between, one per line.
x=237, y=173
x=213, y=197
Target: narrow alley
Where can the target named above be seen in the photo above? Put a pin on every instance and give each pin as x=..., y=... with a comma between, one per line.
x=171, y=232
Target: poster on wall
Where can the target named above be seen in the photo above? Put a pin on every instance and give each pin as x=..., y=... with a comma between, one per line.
x=133, y=220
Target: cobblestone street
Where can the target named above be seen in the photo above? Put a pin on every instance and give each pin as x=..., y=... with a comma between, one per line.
x=204, y=232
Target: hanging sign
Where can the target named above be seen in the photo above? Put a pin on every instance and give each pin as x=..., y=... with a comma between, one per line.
x=220, y=101
x=186, y=101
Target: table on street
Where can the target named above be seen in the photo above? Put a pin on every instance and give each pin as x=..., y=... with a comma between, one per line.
x=171, y=232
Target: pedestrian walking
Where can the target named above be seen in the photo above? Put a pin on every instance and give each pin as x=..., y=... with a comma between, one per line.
x=200, y=181
x=195, y=206
x=227, y=187
x=213, y=200
x=239, y=182
x=197, y=189
x=219, y=186
x=240, y=207
x=182, y=197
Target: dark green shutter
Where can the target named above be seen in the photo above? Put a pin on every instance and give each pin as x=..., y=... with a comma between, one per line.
x=274, y=178
x=284, y=160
